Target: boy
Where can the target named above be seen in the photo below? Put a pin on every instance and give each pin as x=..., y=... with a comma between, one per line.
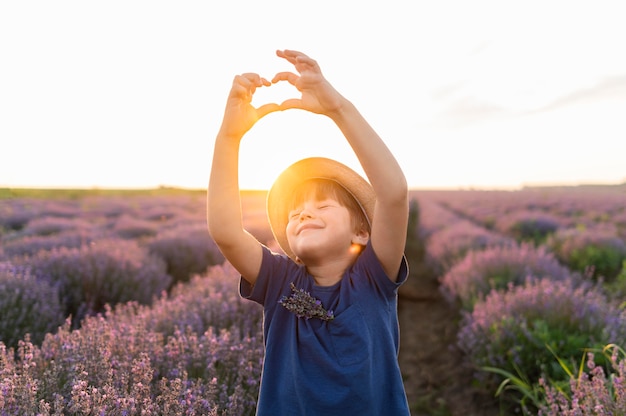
x=330, y=302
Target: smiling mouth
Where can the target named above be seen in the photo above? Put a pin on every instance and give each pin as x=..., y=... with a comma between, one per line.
x=307, y=227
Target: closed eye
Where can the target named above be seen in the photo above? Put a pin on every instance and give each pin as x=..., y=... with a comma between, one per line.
x=325, y=206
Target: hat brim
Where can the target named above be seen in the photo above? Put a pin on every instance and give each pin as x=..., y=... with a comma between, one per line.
x=313, y=168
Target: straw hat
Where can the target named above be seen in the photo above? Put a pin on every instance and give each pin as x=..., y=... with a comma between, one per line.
x=313, y=168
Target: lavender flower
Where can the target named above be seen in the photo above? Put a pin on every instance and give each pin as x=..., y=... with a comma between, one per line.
x=107, y=271
x=27, y=306
x=597, y=247
x=510, y=329
x=186, y=250
x=450, y=244
x=303, y=305
x=472, y=278
x=32, y=244
x=196, y=349
x=529, y=225
x=595, y=391
x=433, y=216
x=134, y=228
x=15, y=214
x=45, y=226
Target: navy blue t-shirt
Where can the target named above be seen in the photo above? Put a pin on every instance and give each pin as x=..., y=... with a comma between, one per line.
x=346, y=366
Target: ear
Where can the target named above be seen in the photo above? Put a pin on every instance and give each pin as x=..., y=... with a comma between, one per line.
x=361, y=238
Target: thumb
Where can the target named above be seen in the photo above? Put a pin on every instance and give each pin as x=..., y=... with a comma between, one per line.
x=291, y=103
x=266, y=109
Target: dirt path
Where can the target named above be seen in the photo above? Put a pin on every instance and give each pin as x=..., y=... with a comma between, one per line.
x=436, y=380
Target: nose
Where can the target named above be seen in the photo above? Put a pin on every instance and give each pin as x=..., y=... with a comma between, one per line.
x=305, y=215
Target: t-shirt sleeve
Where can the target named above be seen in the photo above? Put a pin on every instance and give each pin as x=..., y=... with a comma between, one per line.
x=369, y=265
x=403, y=273
x=275, y=269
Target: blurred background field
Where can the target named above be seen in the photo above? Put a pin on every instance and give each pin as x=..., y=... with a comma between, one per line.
x=118, y=302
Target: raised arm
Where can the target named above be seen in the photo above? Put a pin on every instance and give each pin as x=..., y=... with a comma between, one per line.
x=224, y=218
x=389, y=225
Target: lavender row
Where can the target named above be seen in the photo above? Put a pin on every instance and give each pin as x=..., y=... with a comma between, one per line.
x=82, y=254
x=534, y=280
x=197, y=350
x=120, y=306
x=544, y=210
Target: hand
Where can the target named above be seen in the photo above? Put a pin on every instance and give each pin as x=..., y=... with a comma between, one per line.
x=318, y=96
x=240, y=115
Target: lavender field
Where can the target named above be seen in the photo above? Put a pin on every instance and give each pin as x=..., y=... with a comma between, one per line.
x=539, y=279
x=121, y=304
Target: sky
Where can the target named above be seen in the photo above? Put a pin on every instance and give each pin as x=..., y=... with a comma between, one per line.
x=466, y=94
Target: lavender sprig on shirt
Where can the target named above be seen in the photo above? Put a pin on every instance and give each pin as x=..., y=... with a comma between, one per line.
x=303, y=305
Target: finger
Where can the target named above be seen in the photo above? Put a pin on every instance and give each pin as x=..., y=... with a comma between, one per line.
x=290, y=77
x=296, y=57
x=243, y=82
x=250, y=78
x=241, y=86
x=303, y=59
x=246, y=84
x=288, y=55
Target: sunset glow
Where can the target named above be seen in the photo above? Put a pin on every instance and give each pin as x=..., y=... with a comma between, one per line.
x=480, y=95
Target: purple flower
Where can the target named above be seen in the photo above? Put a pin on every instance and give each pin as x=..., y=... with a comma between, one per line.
x=529, y=225
x=596, y=247
x=595, y=391
x=472, y=278
x=303, y=305
x=186, y=249
x=510, y=329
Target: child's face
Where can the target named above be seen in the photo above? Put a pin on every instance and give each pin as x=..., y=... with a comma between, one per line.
x=321, y=229
x=321, y=189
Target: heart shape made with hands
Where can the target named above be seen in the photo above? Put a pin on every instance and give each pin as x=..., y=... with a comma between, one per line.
x=275, y=93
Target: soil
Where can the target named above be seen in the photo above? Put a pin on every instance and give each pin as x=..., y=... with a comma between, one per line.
x=437, y=379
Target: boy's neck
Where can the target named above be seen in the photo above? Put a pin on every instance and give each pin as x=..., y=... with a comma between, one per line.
x=328, y=274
